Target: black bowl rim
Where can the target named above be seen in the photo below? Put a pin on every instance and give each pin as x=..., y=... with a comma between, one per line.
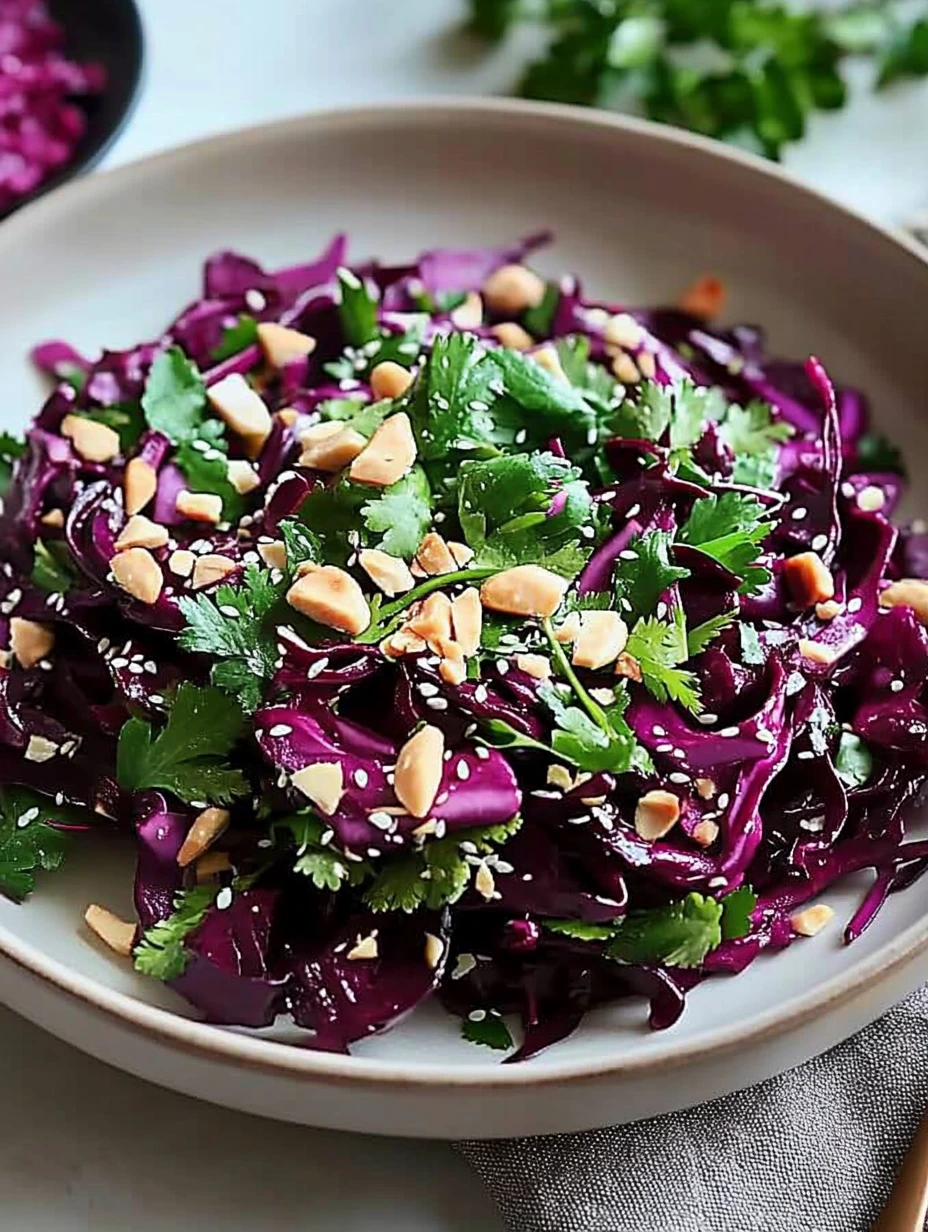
x=93, y=153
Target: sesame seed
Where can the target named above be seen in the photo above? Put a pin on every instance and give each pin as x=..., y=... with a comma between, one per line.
x=730, y=731
x=635, y=509
x=805, y=755
x=819, y=542
x=228, y=610
x=664, y=748
x=462, y=770
x=427, y=689
x=798, y=514
x=281, y=729
x=480, y=693
x=316, y=668
x=360, y=777
x=855, y=604
x=628, y=554
x=723, y=800
x=679, y=777
x=224, y=898
x=477, y=1015
x=659, y=731
x=502, y=666
x=482, y=753
x=437, y=703
x=706, y=718
x=383, y=821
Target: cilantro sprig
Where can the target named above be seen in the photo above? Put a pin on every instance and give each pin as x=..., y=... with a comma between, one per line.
x=325, y=866
x=189, y=756
x=162, y=951
x=28, y=843
x=730, y=527
x=660, y=647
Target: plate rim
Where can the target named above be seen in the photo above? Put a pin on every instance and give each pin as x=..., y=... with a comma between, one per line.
x=282, y=1059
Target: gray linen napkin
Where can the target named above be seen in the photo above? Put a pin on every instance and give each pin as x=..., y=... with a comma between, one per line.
x=814, y=1150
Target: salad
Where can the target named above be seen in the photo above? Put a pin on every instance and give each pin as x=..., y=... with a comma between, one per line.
x=41, y=91
x=438, y=631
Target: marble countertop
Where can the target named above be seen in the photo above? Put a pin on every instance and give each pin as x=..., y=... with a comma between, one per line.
x=88, y=1149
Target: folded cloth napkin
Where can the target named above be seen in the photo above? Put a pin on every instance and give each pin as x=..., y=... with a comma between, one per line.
x=814, y=1150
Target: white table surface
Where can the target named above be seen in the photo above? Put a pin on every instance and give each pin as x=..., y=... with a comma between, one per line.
x=82, y=1147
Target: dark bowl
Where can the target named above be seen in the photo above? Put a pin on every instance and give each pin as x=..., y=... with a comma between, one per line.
x=110, y=32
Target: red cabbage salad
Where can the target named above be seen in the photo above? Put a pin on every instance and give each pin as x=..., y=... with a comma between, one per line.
x=41, y=91
x=436, y=630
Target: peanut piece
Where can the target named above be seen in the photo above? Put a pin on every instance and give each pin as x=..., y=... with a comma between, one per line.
x=907, y=592
x=705, y=833
x=601, y=639
x=469, y=314
x=141, y=532
x=461, y=553
x=137, y=572
x=30, y=641
x=434, y=949
x=242, y=476
x=808, y=579
x=512, y=290
x=811, y=921
x=334, y=451
x=118, y=934
x=524, y=590
x=273, y=554
x=534, y=665
x=181, y=562
x=434, y=555
x=95, y=442
x=211, y=568
x=623, y=331
x=323, y=782
x=389, y=380
x=242, y=409
x=389, y=573
x=331, y=597
x=512, y=336
x=432, y=619
x=467, y=620
x=656, y=814
x=419, y=769
x=139, y=485
x=207, y=827
x=281, y=345
x=389, y=455
x=199, y=506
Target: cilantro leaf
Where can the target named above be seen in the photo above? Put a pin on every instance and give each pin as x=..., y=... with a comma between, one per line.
x=876, y=452
x=27, y=842
x=660, y=648
x=300, y=542
x=753, y=436
x=597, y=382
x=550, y=406
x=681, y=411
x=699, y=638
x=853, y=761
x=737, y=908
x=579, y=930
x=237, y=337
x=53, y=570
x=450, y=402
x=357, y=310
x=401, y=515
x=540, y=319
x=640, y=581
x=729, y=528
x=490, y=1031
x=11, y=448
x=189, y=756
x=162, y=952
x=503, y=508
x=206, y=470
x=174, y=400
x=230, y=625
x=438, y=873
x=326, y=868
x=677, y=935
x=603, y=743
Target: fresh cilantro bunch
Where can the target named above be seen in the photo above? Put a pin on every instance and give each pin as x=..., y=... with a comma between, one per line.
x=747, y=71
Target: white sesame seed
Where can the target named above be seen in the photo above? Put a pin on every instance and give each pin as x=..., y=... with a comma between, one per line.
x=798, y=514
x=360, y=777
x=679, y=777
x=224, y=898
x=706, y=718
x=723, y=800
x=383, y=821
x=482, y=752
x=477, y=1015
x=635, y=509
x=228, y=610
x=628, y=554
x=480, y=693
x=730, y=731
x=855, y=604
x=462, y=770
x=316, y=668
x=281, y=729
x=819, y=542
x=437, y=703
x=427, y=689
x=805, y=755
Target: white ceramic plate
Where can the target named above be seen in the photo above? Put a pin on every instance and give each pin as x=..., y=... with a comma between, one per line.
x=638, y=211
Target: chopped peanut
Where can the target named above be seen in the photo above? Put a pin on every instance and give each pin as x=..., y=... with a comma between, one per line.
x=333, y=451
x=402, y=642
x=705, y=833
x=462, y=554
x=287, y=416
x=207, y=827
x=419, y=769
x=512, y=336
x=467, y=619
x=432, y=619
x=306, y=566
x=601, y=639
x=484, y=883
x=907, y=592
x=389, y=455
x=273, y=554
x=704, y=299
x=387, y=572
x=567, y=632
x=366, y=947
x=323, y=782
x=242, y=409
x=828, y=610
x=54, y=517
x=656, y=814
x=389, y=380
x=534, y=665
x=810, y=921
x=137, y=572
x=809, y=579
x=30, y=641
x=560, y=776
x=212, y=568
x=625, y=369
x=139, y=485
x=706, y=788
x=95, y=442
x=211, y=865
x=547, y=357
x=452, y=668
x=199, y=506
x=242, y=476
x=118, y=934
x=141, y=532
x=332, y=597
x=512, y=290
x=469, y=314
x=281, y=346
x=181, y=562
x=622, y=331
x=524, y=590
x=647, y=365
x=434, y=949
x=629, y=667
x=434, y=555
x=815, y=652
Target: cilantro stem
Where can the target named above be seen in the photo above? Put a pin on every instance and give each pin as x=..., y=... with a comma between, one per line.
x=593, y=709
x=391, y=615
